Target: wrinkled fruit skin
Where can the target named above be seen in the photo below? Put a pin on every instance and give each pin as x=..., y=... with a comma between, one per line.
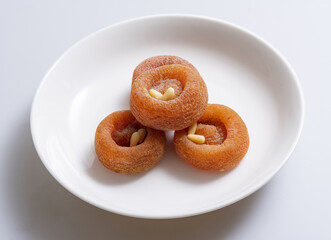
x=122, y=159
x=175, y=114
x=219, y=157
x=158, y=61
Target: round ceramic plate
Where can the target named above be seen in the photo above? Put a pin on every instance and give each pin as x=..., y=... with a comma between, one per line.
x=93, y=79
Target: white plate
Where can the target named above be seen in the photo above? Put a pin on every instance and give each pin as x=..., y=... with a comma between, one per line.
x=92, y=79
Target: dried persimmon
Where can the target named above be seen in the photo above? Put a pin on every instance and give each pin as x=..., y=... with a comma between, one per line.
x=187, y=106
x=158, y=61
x=226, y=144
x=112, y=144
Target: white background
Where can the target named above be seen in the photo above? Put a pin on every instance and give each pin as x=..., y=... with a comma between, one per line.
x=295, y=204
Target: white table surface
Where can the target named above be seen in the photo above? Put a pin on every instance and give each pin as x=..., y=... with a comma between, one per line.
x=295, y=204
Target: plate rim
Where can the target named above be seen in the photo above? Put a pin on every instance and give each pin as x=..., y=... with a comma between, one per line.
x=244, y=194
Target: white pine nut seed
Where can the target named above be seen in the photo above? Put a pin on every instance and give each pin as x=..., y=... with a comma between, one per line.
x=155, y=94
x=168, y=95
x=199, y=139
x=192, y=129
x=134, y=139
x=142, y=134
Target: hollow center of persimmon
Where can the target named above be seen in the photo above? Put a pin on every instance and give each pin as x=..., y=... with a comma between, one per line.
x=214, y=134
x=163, y=84
x=122, y=136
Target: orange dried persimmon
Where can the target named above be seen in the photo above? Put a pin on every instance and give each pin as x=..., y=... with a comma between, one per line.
x=158, y=61
x=188, y=105
x=227, y=140
x=112, y=144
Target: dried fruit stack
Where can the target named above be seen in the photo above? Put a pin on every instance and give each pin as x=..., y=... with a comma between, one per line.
x=168, y=93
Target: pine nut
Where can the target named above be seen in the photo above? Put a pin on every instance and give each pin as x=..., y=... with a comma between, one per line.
x=134, y=139
x=193, y=128
x=142, y=134
x=155, y=94
x=199, y=139
x=168, y=95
